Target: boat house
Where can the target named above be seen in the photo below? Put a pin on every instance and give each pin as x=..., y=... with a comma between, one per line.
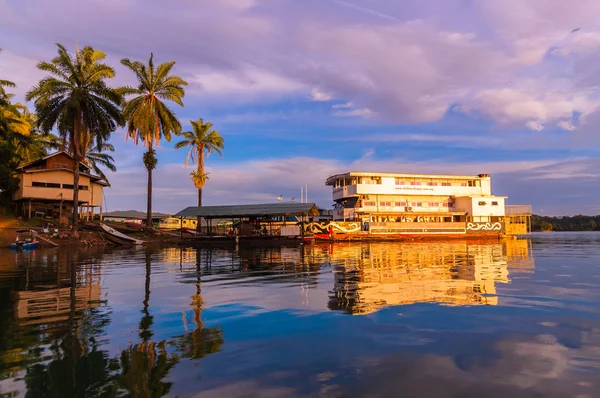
x=46, y=188
x=424, y=203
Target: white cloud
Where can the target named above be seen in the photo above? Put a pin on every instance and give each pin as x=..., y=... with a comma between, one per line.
x=249, y=80
x=320, y=96
x=362, y=112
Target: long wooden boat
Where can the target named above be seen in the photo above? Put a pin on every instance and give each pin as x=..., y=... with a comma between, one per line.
x=119, y=235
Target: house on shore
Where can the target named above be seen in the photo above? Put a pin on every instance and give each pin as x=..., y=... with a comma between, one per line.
x=46, y=188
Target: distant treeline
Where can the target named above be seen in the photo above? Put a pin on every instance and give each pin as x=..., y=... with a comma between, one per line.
x=565, y=223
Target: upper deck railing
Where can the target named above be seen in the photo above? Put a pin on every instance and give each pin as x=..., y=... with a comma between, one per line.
x=513, y=210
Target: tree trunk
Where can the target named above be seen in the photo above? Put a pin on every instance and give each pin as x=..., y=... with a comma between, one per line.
x=198, y=219
x=76, y=158
x=149, y=202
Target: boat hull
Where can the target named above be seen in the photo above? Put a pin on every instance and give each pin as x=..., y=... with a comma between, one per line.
x=24, y=246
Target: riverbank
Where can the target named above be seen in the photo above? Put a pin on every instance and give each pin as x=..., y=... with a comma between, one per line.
x=90, y=234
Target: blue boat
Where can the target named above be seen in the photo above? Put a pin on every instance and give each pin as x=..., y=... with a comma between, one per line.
x=26, y=240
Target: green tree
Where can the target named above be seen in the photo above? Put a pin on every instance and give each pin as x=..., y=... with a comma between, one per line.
x=148, y=117
x=76, y=100
x=96, y=157
x=202, y=141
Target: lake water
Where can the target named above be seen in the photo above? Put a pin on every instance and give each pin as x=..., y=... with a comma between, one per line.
x=519, y=318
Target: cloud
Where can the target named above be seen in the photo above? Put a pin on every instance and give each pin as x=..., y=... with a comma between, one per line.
x=551, y=187
x=362, y=112
x=320, y=96
x=406, y=62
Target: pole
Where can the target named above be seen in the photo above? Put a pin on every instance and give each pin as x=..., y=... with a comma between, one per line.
x=306, y=194
x=301, y=194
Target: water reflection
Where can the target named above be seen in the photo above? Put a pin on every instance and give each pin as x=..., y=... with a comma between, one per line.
x=130, y=322
x=369, y=277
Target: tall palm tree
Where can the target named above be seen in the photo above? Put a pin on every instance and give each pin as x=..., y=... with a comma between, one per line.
x=148, y=117
x=203, y=140
x=76, y=99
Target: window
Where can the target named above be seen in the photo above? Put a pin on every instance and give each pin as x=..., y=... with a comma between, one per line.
x=482, y=203
x=399, y=181
x=494, y=203
x=400, y=204
x=463, y=184
x=446, y=184
x=416, y=204
x=432, y=184
x=68, y=186
x=45, y=184
x=444, y=204
x=450, y=204
x=385, y=204
x=433, y=204
x=472, y=183
x=368, y=204
x=415, y=183
x=83, y=187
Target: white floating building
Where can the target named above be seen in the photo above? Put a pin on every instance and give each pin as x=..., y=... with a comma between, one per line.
x=431, y=203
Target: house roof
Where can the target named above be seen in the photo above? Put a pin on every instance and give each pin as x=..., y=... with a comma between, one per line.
x=51, y=155
x=332, y=179
x=134, y=214
x=273, y=209
x=97, y=179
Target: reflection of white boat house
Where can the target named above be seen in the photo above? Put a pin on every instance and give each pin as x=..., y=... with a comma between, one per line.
x=431, y=202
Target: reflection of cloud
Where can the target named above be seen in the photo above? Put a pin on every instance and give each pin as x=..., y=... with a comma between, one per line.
x=528, y=368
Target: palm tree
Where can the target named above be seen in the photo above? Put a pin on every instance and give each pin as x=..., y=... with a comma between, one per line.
x=36, y=143
x=203, y=140
x=76, y=99
x=95, y=156
x=148, y=118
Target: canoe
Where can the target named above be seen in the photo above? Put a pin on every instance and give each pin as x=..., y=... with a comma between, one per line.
x=113, y=232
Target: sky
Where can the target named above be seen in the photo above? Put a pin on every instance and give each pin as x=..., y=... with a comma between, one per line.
x=303, y=89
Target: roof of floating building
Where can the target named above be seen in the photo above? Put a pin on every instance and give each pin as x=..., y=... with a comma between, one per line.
x=273, y=209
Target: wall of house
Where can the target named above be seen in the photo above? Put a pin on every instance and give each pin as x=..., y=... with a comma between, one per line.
x=28, y=190
x=411, y=186
x=96, y=194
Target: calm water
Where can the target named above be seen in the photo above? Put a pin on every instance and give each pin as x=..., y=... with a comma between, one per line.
x=457, y=319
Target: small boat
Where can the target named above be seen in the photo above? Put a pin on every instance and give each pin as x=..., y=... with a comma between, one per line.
x=119, y=235
x=26, y=240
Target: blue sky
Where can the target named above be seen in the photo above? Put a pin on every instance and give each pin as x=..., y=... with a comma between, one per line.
x=304, y=89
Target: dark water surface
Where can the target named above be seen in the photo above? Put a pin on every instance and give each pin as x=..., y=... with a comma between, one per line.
x=457, y=319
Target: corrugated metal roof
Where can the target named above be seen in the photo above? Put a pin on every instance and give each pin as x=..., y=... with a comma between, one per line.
x=273, y=209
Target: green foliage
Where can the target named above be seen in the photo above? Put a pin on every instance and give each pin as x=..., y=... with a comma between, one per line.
x=75, y=99
x=202, y=141
x=150, y=160
x=148, y=118
x=566, y=223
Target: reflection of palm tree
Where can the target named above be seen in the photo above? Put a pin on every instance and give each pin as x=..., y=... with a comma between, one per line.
x=147, y=319
x=201, y=341
x=146, y=364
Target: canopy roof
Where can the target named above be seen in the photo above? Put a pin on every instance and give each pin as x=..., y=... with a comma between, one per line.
x=234, y=211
